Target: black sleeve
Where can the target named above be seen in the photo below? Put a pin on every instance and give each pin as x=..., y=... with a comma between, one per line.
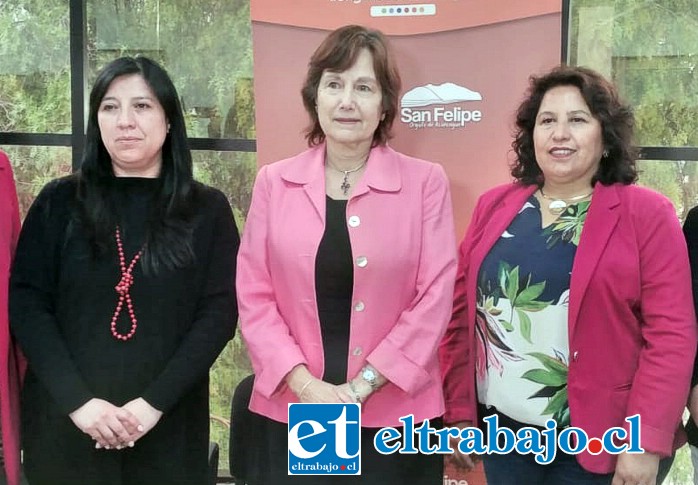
x=690, y=231
x=216, y=313
x=33, y=292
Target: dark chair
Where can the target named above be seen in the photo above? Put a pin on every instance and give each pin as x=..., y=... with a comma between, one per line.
x=213, y=455
x=244, y=428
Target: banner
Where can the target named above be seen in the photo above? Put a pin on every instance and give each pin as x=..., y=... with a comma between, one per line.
x=464, y=65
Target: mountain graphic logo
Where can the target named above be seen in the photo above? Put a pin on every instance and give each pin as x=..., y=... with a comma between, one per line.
x=431, y=94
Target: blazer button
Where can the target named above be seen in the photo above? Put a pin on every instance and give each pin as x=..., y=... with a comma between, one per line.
x=575, y=355
x=361, y=261
x=357, y=351
x=354, y=221
x=359, y=307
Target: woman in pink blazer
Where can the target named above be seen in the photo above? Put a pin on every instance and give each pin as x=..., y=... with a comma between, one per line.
x=573, y=298
x=346, y=268
x=9, y=354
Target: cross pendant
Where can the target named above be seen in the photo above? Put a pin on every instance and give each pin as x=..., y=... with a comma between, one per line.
x=345, y=184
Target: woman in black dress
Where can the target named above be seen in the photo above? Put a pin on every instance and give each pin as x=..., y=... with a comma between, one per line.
x=122, y=296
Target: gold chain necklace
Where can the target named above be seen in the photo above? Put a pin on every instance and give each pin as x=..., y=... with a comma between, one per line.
x=558, y=206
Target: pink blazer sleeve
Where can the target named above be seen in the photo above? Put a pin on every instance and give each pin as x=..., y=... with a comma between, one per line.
x=272, y=349
x=411, y=346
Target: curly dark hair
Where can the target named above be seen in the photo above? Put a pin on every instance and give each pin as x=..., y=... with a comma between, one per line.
x=616, y=118
x=337, y=53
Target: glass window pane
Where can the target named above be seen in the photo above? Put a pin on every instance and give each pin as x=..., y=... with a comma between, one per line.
x=650, y=49
x=205, y=45
x=678, y=180
x=34, y=67
x=34, y=167
x=233, y=173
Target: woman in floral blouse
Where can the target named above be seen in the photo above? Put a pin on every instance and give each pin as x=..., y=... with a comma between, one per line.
x=573, y=300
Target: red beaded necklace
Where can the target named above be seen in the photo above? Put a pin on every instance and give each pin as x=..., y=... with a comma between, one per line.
x=122, y=288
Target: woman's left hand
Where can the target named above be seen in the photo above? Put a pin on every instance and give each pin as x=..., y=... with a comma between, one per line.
x=346, y=394
x=636, y=469
x=147, y=415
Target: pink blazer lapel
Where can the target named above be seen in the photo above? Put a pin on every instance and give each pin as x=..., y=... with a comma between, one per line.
x=308, y=170
x=382, y=172
x=599, y=225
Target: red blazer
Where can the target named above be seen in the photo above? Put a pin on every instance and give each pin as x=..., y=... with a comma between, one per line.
x=10, y=358
x=632, y=329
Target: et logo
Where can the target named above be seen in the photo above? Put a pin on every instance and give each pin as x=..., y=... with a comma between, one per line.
x=324, y=439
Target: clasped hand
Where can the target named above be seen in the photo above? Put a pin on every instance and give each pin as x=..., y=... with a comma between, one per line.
x=319, y=391
x=114, y=427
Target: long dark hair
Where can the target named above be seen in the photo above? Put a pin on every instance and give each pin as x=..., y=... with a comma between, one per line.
x=169, y=228
x=616, y=118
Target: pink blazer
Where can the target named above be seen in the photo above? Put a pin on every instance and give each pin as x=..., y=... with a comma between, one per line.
x=401, y=226
x=10, y=359
x=632, y=328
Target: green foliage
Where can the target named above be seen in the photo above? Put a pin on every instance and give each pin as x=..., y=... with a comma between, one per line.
x=34, y=167
x=682, y=469
x=231, y=172
x=205, y=45
x=678, y=180
x=34, y=66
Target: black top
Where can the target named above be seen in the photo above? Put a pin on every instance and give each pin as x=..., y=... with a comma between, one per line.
x=690, y=230
x=62, y=300
x=334, y=285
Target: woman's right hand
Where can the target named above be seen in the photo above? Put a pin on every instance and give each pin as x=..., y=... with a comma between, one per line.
x=309, y=389
x=319, y=391
x=463, y=461
x=110, y=426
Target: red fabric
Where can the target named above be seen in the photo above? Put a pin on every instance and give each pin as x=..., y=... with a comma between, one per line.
x=12, y=363
x=632, y=329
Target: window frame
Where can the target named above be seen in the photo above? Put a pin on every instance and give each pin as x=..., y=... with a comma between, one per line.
x=668, y=153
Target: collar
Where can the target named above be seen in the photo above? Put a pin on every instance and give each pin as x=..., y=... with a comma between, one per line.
x=382, y=169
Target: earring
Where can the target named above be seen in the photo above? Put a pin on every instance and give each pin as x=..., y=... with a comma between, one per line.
x=605, y=154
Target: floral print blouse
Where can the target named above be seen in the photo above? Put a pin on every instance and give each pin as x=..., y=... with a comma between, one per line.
x=521, y=318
